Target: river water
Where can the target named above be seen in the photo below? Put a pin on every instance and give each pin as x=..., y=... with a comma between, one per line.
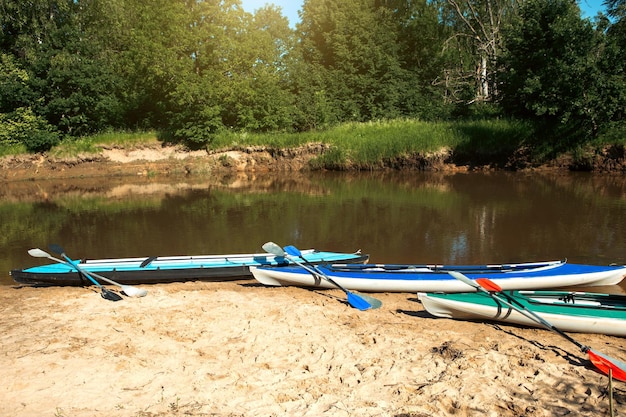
x=408, y=217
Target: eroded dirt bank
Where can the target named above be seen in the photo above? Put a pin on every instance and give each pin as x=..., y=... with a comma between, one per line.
x=157, y=160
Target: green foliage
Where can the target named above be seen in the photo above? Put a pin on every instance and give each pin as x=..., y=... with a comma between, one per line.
x=550, y=68
x=351, y=57
x=372, y=144
x=14, y=89
x=24, y=127
x=199, y=71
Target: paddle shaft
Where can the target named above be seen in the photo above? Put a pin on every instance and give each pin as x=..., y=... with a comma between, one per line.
x=81, y=271
x=360, y=301
x=127, y=289
x=314, y=271
x=604, y=363
x=355, y=300
x=535, y=317
x=522, y=310
x=323, y=275
x=276, y=250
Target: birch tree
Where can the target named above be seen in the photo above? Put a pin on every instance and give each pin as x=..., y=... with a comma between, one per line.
x=481, y=22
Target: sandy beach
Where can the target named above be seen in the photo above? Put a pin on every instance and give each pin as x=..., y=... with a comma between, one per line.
x=239, y=349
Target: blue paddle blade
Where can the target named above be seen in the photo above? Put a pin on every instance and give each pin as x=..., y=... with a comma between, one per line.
x=358, y=302
x=292, y=250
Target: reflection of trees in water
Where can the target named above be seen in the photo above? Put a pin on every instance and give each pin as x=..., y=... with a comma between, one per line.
x=396, y=217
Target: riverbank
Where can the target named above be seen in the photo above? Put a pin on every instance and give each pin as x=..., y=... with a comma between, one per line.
x=155, y=160
x=239, y=349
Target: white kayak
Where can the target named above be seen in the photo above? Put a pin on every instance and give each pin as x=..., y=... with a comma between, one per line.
x=433, y=278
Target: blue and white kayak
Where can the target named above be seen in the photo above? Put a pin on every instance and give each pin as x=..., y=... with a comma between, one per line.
x=163, y=269
x=433, y=278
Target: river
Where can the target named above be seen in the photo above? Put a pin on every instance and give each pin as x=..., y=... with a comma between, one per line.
x=395, y=217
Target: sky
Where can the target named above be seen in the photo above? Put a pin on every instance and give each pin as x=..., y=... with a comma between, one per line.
x=290, y=8
x=590, y=8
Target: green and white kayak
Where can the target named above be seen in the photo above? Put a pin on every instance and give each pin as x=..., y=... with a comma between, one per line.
x=582, y=312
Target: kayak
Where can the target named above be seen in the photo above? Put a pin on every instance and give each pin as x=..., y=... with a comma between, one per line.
x=164, y=269
x=568, y=311
x=432, y=278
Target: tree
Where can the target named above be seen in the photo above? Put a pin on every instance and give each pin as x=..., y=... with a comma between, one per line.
x=477, y=29
x=350, y=54
x=18, y=123
x=422, y=54
x=549, y=67
x=611, y=90
x=616, y=8
x=70, y=85
x=258, y=98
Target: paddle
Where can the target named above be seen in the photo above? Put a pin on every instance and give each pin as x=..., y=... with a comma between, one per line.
x=360, y=302
x=106, y=294
x=604, y=363
x=127, y=289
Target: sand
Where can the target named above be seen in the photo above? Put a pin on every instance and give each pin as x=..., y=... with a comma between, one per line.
x=239, y=349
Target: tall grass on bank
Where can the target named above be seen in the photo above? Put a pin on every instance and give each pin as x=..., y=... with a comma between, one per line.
x=92, y=144
x=361, y=145
x=369, y=145
x=12, y=149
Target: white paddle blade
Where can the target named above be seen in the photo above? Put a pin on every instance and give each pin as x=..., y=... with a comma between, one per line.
x=273, y=248
x=38, y=253
x=133, y=291
x=463, y=278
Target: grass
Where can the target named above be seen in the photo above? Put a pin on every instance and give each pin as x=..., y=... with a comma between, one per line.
x=370, y=144
x=363, y=145
x=91, y=144
x=13, y=149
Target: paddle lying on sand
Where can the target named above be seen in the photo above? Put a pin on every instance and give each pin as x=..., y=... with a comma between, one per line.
x=361, y=302
x=126, y=289
x=106, y=294
x=604, y=363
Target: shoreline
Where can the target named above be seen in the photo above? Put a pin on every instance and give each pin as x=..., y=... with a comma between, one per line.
x=241, y=349
x=156, y=160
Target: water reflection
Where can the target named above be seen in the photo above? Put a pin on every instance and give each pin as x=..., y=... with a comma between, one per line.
x=395, y=217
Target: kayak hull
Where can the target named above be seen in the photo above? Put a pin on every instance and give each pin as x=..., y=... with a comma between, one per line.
x=424, y=278
x=567, y=311
x=153, y=270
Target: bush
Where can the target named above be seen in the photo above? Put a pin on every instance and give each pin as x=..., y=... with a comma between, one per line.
x=24, y=127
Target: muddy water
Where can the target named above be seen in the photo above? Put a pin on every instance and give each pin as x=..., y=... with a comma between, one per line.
x=412, y=217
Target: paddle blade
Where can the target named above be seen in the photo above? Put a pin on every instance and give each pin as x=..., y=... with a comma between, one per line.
x=604, y=363
x=133, y=291
x=488, y=284
x=374, y=302
x=273, y=248
x=56, y=249
x=463, y=278
x=293, y=251
x=358, y=302
x=38, y=253
x=110, y=295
